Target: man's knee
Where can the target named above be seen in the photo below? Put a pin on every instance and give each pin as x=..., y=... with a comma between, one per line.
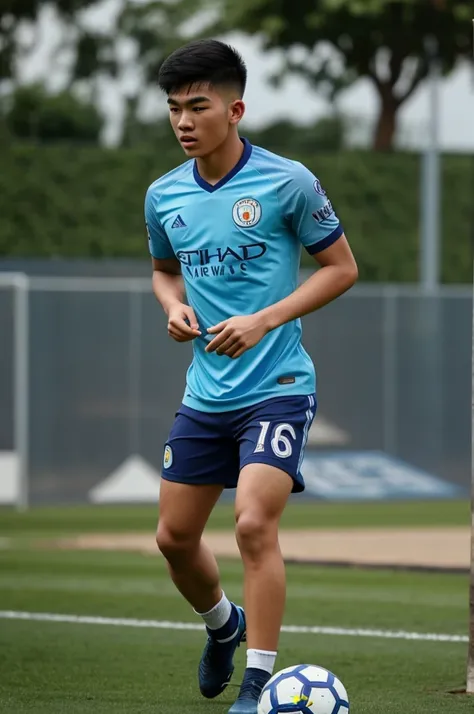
x=255, y=534
x=174, y=543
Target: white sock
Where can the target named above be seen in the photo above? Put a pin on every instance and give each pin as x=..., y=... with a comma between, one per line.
x=261, y=659
x=219, y=615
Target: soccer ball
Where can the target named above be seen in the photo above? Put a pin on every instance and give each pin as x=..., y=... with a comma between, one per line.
x=304, y=689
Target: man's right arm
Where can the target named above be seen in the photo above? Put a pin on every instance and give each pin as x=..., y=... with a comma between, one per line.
x=168, y=287
x=168, y=284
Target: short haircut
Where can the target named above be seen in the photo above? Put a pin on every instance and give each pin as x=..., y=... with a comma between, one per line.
x=203, y=62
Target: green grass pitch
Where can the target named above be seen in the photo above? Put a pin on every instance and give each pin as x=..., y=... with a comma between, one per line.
x=52, y=667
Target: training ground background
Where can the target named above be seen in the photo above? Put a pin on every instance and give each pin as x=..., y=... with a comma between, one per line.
x=90, y=622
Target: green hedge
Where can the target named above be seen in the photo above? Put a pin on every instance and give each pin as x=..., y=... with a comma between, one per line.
x=77, y=202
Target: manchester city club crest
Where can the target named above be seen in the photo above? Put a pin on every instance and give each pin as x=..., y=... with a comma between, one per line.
x=246, y=212
x=167, y=457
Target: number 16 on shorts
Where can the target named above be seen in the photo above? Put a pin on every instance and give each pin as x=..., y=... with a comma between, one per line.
x=281, y=442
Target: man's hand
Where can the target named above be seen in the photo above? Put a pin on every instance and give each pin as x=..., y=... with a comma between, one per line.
x=237, y=335
x=182, y=323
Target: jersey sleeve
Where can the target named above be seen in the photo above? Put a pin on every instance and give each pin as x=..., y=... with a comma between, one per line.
x=158, y=242
x=308, y=210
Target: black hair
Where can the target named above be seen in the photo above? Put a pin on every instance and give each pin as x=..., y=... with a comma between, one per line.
x=203, y=61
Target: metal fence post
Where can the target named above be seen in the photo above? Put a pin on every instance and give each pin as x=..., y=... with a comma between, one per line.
x=135, y=348
x=390, y=296
x=21, y=386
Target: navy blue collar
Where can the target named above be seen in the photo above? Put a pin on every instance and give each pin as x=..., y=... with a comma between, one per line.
x=240, y=165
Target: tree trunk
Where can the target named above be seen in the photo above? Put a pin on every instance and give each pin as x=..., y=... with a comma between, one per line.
x=387, y=121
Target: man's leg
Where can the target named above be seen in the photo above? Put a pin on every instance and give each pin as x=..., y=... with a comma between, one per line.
x=183, y=514
x=262, y=494
x=184, y=511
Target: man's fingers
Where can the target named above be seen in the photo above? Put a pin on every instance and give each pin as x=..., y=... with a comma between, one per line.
x=217, y=328
x=227, y=345
x=177, y=337
x=218, y=341
x=238, y=352
x=234, y=349
x=191, y=317
x=180, y=326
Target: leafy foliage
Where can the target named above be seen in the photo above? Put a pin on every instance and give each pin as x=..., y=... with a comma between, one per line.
x=389, y=42
x=281, y=136
x=72, y=201
x=34, y=114
x=14, y=12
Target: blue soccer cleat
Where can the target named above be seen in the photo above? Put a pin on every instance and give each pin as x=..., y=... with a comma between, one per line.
x=216, y=666
x=253, y=683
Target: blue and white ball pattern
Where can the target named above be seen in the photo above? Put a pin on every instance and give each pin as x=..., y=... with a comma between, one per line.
x=304, y=689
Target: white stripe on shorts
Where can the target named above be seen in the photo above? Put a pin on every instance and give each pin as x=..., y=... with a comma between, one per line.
x=309, y=419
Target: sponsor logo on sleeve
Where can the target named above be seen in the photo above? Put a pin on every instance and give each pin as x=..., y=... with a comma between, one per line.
x=323, y=213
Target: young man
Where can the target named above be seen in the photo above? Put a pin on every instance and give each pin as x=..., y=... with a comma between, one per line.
x=225, y=233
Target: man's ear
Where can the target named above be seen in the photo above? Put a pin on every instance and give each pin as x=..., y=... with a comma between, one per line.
x=236, y=111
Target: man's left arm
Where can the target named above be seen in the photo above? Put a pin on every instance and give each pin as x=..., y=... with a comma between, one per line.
x=337, y=273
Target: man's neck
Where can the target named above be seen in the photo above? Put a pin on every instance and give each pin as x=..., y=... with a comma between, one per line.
x=216, y=166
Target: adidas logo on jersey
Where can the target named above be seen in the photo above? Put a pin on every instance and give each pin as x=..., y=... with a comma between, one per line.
x=178, y=222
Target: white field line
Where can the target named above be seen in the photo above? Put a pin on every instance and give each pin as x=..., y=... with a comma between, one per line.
x=167, y=625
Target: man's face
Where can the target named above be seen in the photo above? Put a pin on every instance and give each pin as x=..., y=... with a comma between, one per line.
x=202, y=116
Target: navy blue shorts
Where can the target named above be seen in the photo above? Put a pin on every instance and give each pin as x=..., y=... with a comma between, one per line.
x=212, y=448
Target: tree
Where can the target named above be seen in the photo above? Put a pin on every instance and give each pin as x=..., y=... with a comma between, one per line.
x=31, y=113
x=385, y=41
x=85, y=55
x=283, y=137
x=151, y=26
x=327, y=134
x=14, y=13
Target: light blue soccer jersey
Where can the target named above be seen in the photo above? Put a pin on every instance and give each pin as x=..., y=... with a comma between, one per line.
x=239, y=245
